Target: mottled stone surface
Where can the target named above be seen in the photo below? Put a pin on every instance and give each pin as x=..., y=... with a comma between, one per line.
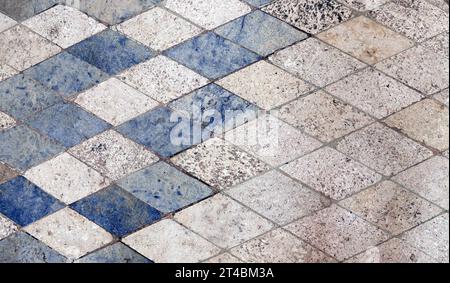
x=165, y=188
x=169, y=242
x=278, y=197
x=113, y=155
x=443, y=97
x=116, y=253
x=24, y=203
x=258, y=3
x=208, y=13
x=337, y=178
x=338, y=232
x=265, y=85
x=24, y=9
x=323, y=116
x=6, y=72
x=159, y=29
x=260, y=33
x=224, y=258
x=316, y=62
x=438, y=44
x=6, y=122
x=383, y=149
x=66, y=178
x=163, y=79
x=363, y=5
x=6, y=173
x=219, y=163
x=223, y=221
x=7, y=227
x=374, y=93
x=311, y=16
x=211, y=55
x=6, y=22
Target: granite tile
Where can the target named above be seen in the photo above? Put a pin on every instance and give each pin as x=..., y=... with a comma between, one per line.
x=265, y=85
x=6, y=72
x=316, y=62
x=442, y=97
x=165, y=188
x=438, y=44
x=163, y=79
x=6, y=22
x=159, y=29
x=443, y=4
x=6, y=173
x=219, y=163
x=21, y=48
x=25, y=203
x=117, y=211
x=258, y=3
x=66, y=74
x=66, y=178
x=363, y=5
x=7, y=227
x=223, y=221
x=261, y=33
x=208, y=13
x=223, y=258
x=383, y=149
x=111, y=52
x=116, y=253
x=312, y=16
x=24, y=9
x=212, y=56
x=67, y=124
x=69, y=233
x=6, y=122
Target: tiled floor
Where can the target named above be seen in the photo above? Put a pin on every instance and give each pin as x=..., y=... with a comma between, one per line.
x=224, y=131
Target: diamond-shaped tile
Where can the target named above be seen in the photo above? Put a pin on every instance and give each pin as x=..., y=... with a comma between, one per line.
x=311, y=16
x=366, y=40
x=6, y=173
x=159, y=29
x=426, y=122
x=260, y=33
x=223, y=221
x=6, y=122
x=212, y=56
x=338, y=177
x=22, y=248
x=316, y=62
x=66, y=74
x=438, y=44
x=111, y=52
x=69, y=233
x=24, y=203
x=374, y=93
x=117, y=211
x=7, y=227
x=363, y=5
x=64, y=26
x=391, y=208
x=428, y=179
x=109, y=99
x=67, y=124
x=117, y=253
x=21, y=48
x=163, y=79
x=419, y=68
x=278, y=197
x=165, y=188
x=383, y=149
x=219, y=163
x=66, y=178
x=113, y=155
x=208, y=13
x=265, y=85
x=323, y=116
x=6, y=72
x=24, y=9
x=338, y=232
x=6, y=22
x=22, y=148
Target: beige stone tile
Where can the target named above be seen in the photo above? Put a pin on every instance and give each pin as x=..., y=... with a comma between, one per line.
x=6, y=121
x=442, y=97
x=438, y=44
x=224, y=258
x=7, y=227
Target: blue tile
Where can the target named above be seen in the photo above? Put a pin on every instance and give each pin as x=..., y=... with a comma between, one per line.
x=261, y=33
x=212, y=55
x=258, y=3
x=24, y=203
x=23, y=9
x=23, y=148
x=22, y=248
x=117, y=253
x=165, y=188
x=21, y=97
x=216, y=109
x=67, y=124
x=117, y=211
x=111, y=52
x=66, y=74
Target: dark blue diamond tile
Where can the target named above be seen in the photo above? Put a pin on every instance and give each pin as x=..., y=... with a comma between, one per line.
x=117, y=253
x=212, y=55
x=66, y=74
x=165, y=188
x=117, y=211
x=111, y=52
x=67, y=124
x=24, y=203
x=21, y=97
x=261, y=33
x=23, y=148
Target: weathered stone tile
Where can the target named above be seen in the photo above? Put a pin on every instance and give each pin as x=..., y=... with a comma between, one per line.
x=364, y=5
x=24, y=9
x=6, y=22
x=6, y=122
x=7, y=227
x=442, y=96
x=224, y=258
x=438, y=44
x=116, y=253
x=6, y=72
x=6, y=173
